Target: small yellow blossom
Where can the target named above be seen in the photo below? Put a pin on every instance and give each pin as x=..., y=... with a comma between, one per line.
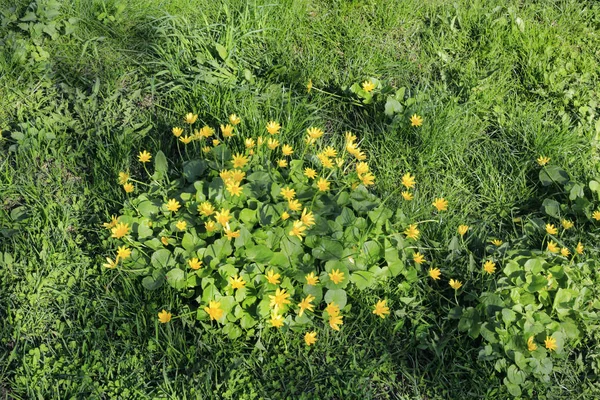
x=314, y=133
x=216, y=142
x=239, y=160
x=566, y=224
x=309, y=86
x=462, y=229
x=164, y=316
x=551, y=229
x=416, y=120
x=531, y=346
x=207, y=132
x=237, y=282
x=164, y=241
x=335, y=322
x=579, y=248
x=408, y=180
x=418, y=258
x=310, y=338
x=210, y=226
x=380, y=309
x=234, y=119
x=550, y=343
x=336, y=276
x=128, y=187
x=489, y=267
x=412, y=232
x=497, y=242
x=123, y=252
x=368, y=86
x=298, y=230
x=173, y=205
x=110, y=263
x=285, y=215
x=455, y=284
x=181, y=225
x=310, y=173
x=194, y=263
x=177, y=131
x=113, y=222
x=287, y=150
x=305, y=304
x=120, y=230
x=123, y=178
x=368, y=179
x=362, y=168
x=282, y=163
x=276, y=320
x=441, y=204
x=273, y=127
x=565, y=252
x=332, y=309
x=552, y=247
x=214, y=310
x=231, y=234
x=272, y=144
x=311, y=279
x=542, y=160
x=294, y=205
x=307, y=218
x=287, y=193
x=408, y=196
x=144, y=156
x=206, y=149
x=435, y=273
x=223, y=216
x=234, y=189
x=272, y=277
x=190, y=118
x=206, y=209
x=249, y=143
x=227, y=130
x=186, y=139
x=323, y=185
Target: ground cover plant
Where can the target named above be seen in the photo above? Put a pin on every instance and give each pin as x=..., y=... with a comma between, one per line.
x=470, y=98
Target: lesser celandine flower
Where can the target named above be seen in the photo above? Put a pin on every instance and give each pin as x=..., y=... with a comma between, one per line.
x=412, y=232
x=287, y=150
x=542, y=160
x=367, y=179
x=380, y=309
x=282, y=163
x=305, y=304
x=216, y=142
x=276, y=320
x=123, y=178
x=128, y=187
x=272, y=277
x=214, y=310
x=310, y=338
x=234, y=119
x=335, y=322
x=307, y=218
x=462, y=229
x=173, y=205
x=362, y=168
x=227, y=130
x=416, y=120
x=596, y=215
x=123, y=252
x=368, y=86
x=190, y=118
x=336, y=276
x=294, y=205
x=164, y=240
x=551, y=229
x=164, y=316
x=120, y=230
x=435, y=273
x=234, y=189
x=113, y=222
x=206, y=149
x=298, y=229
x=550, y=343
x=552, y=247
x=186, y=139
x=566, y=224
x=408, y=180
x=441, y=204
x=455, y=284
x=531, y=346
x=272, y=144
x=497, y=242
x=311, y=279
x=223, y=216
x=110, y=263
x=177, y=131
x=285, y=215
x=314, y=133
x=309, y=86
x=206, y=132
x=287, y=193
x=273, y=127
x=231, y=234
x=323, y=185
x=310, y=173
x=194, y=263
x=579, y=248
x=489, y=267
x=181, y=225
x=210, y=226
x=206, y=209
x=565, y=252
x=239, y=160
x=418, y=258
x=237, y=282
x=144, y=156
x=408, y=196
x=325, y=161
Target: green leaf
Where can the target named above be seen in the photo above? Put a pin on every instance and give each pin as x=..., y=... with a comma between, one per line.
x=594, y=185
x=154, y=281
x=314, y=290
x=537, y=283
x=328, y=249
x=147, y=208
x=259, y=254
x=232, y=330
x=362, y=279
x=219, y=250
x=160, y=164
x=161, y=259
x=337, y=296
x=508, y=316
x=551, y=174
x=176, y=278
x=372, y=251
x=248, y=216
x=397, y=267
x=193, y=169
x=515, y=375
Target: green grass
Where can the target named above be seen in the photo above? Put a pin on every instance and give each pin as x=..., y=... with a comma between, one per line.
x=494, y=97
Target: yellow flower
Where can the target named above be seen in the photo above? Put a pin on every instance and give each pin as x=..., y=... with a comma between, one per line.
x=249, y=143
x=305, y=304
x=123, y=178
x=531, y=346
x=381, y=309
x=307, y=218
x=435, y=273
x=110, y=263
x=298, y=229
x=550, y=343
x=237, y=282
x=565, y=252
x=412, y=232
x=332, y=309
x=223, y=216
x=294, y=205
x=190, y=118
x=206, y=208
x=408, y=196
x=234, y=119
x=489, y=267
x=194, y=263
x=120, y=230
x=276, y=320
x=272, y=144
x=272, y=277
x=418, y=258
x=181, y=225
x=566, y=224
x=310, y=338
x=551, y=229
x=329, y=152
x=206, y=149
x=325, y=161
x=287, y=150
x=234, y=189
x=368, y=86
x=231, y=234
x=335, y=322
x=579, y=248
x=441, y=204
x=323, y=185
x=336, y=276
x=227, y=130
x=282, y=163
x=128, y=187
x=350, y=137
x=311, y=279
x=455, y=284
x=462, y=229
x=144, y=156
x=416, y=120
x=177, y=131
x=273, y=127
x=210, y=226
x=225, y=175
x=314, y=133
x=214, y=310
x=287, y=193
x=237, y=175
x=113, y=222
x=542, y=160
x=285, y=215
x=164, y=241
x=123, y=252
x=186, y=139
x=173, y=205
x=310, y=173
x=164, y=316
x=408, y=180
x=552, y=247
x=497, y=242
x=207, y=132
x=309, y=86
x=368, y=179
x=596, y=215
x=239, y=161
x=216, y=142
x=362, y=168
